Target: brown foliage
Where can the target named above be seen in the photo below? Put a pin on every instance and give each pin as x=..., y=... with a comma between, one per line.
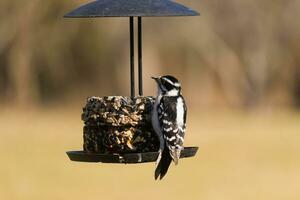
x=242, y=53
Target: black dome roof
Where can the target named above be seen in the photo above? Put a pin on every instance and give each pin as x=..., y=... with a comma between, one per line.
x=127, y=8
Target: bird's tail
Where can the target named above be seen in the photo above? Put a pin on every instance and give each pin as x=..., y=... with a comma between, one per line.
x=163, y=165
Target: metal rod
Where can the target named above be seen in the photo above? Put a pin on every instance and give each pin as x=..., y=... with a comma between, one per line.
x=140, y=63
x=132, y=84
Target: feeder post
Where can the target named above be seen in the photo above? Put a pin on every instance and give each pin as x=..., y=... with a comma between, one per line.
x=140, y=59
x=132, y=84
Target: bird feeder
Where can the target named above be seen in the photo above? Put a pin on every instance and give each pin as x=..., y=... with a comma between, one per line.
x=97, y=108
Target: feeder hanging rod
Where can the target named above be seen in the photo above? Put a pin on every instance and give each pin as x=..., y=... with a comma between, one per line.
x=140, y=62
x=132, y=84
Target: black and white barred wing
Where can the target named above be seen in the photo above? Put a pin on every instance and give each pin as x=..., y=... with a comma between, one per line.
x=172, y=118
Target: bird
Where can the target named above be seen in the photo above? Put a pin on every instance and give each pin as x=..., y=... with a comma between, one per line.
x=168, y=122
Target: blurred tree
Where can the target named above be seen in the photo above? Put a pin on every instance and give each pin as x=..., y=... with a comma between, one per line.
x=238, y=53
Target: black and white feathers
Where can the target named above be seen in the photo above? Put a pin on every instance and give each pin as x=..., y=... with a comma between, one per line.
x=169, y=122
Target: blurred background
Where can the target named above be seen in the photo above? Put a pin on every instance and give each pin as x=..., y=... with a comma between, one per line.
x=239, y=64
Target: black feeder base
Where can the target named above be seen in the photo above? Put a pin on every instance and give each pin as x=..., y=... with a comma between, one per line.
x=130, y=158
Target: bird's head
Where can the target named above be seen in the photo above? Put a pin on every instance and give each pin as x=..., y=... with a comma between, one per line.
x=168, y=85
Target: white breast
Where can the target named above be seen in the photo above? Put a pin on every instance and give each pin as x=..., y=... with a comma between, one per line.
x=156, y=124
x=155, y=121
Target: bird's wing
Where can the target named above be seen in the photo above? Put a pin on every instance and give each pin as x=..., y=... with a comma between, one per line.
x=172, y=130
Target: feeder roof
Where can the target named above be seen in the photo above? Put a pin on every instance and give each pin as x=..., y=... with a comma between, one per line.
x=131, y=8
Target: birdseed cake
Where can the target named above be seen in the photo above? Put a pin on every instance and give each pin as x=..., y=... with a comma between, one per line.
x=118, y=124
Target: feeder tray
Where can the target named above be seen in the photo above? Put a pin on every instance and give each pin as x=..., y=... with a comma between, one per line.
x=130, y=158
x=130, y=9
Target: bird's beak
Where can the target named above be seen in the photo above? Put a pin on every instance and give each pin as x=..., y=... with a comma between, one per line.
x=156, y=79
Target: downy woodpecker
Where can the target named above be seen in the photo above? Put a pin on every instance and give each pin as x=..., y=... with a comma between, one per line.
x=169, y=122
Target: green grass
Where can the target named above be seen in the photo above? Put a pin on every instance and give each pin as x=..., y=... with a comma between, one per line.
x=241, y=156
